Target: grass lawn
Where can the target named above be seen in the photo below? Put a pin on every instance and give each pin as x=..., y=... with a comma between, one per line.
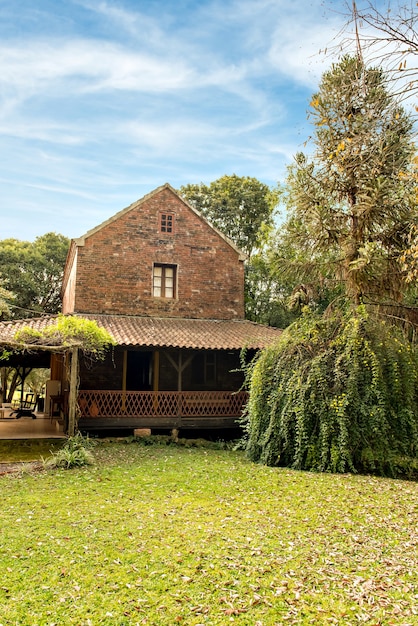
x=165, y=535
x=28, y=449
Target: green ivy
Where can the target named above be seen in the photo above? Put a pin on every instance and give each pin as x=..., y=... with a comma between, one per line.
x=335, y=394
x=69, y=332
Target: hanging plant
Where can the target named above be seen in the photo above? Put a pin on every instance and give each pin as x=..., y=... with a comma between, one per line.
x=335, y=394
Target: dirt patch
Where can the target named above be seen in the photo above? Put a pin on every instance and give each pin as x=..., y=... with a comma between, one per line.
x=12, y=468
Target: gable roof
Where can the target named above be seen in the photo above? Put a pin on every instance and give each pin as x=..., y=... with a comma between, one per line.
x=79, y=241
x=154, y=332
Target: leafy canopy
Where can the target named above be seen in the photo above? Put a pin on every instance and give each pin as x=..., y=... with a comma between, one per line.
x=240, y=207
x=243, y=208
x=6, y=298
x=33, y=273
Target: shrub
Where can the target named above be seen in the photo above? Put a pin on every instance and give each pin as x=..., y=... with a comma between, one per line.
x=335, y=394
x=75, y=453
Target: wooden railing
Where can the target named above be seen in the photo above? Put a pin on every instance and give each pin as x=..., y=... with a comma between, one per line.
x=93, y=404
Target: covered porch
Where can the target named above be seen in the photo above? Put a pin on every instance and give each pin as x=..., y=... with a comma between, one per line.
x=161, y=374
x=43, y=427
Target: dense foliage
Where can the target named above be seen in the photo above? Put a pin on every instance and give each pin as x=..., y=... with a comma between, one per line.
x=6, y=298
x=240, y=206
x=267, y=291
x=339, y=392
x=33, y=271
x=243, y=208
x=335, y=394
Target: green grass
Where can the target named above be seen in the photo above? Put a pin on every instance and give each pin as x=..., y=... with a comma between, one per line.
x=18, y=450
x=165, y=535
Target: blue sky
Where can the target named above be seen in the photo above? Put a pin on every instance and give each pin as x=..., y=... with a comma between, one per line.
x=102, y=101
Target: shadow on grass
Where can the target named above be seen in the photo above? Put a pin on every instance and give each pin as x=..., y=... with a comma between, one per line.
x=23, y=450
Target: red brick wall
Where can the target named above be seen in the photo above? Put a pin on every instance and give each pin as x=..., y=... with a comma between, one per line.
x=114, y=266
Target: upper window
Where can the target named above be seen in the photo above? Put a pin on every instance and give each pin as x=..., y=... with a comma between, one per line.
x=164, y=281
x=166, y=222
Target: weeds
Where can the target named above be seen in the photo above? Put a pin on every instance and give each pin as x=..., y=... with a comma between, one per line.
x=76, y=452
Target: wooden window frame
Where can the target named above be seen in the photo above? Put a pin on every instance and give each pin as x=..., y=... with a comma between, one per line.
x=166, y=223
x=205, y=369
x=163, y=285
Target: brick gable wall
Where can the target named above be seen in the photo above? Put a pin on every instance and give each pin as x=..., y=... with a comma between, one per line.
x=114, y=266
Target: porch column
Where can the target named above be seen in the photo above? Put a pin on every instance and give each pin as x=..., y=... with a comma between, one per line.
x=156, y=368
x=180, y=372
x=72, y=398
x=124, y=375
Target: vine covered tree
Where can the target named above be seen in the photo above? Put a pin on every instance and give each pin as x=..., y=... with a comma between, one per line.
x=339, y=392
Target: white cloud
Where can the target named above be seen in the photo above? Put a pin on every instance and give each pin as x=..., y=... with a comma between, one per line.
x=123, y=21
x=297, y=45
x=103, y=100
x=104, y=65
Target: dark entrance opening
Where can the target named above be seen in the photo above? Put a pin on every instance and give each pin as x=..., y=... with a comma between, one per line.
x=138, y=375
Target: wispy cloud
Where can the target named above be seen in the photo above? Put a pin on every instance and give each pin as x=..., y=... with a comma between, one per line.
x=100, y=100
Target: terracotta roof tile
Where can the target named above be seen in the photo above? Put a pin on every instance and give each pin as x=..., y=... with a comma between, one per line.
x=9, y=329
x=187, y=333
x=166, y=332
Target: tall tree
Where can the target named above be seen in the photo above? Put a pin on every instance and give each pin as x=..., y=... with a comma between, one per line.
x=267, y=289
x=353, y=203
x=339, y=391
x=240, y=207
x=33, y=273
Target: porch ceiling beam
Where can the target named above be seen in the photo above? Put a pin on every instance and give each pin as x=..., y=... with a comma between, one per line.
x=179, y=367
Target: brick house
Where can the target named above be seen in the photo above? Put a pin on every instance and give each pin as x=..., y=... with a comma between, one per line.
x=170, y=289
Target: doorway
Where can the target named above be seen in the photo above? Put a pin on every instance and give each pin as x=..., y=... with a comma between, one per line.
x=139, y=371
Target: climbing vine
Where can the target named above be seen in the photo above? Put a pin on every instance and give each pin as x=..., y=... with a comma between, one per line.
x=68, y=332
x=335, y=394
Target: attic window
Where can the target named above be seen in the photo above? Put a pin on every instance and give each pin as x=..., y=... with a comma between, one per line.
x=164, y=281
x=166, y=222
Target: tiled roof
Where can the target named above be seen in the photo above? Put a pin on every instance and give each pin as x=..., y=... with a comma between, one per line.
x=166, y=332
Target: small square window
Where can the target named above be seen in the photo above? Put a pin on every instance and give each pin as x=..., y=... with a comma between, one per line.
x=166, y=222
x=164, y=281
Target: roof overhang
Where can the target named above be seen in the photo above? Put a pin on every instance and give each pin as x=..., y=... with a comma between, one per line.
x=159, y=332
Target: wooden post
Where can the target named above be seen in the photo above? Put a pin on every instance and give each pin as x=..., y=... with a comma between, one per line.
x=72, y=399
x=156, y=368
x=156, y=378
x=124, y=375
x=180, y=366
x=180, y=372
